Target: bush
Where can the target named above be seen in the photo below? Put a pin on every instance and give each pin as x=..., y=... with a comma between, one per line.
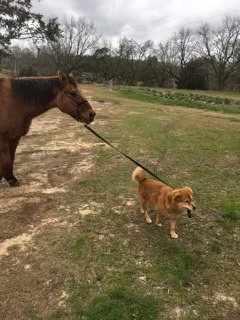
x=28, y=72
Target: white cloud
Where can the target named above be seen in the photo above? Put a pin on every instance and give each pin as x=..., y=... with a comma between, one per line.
x=140, y=19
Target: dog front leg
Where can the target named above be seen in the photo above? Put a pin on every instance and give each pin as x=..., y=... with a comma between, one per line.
x=146, y=215
x=159, y=219
x=173, y=222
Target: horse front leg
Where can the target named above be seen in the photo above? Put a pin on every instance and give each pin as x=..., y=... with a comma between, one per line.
x=12, y=148
x=6, y=163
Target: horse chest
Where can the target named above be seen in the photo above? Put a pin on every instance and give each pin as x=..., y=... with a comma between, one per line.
x=17, y=129
x=25, y=126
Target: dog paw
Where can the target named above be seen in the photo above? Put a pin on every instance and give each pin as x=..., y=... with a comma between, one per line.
x=148, y=220
x=174, y=235
x=159, y=224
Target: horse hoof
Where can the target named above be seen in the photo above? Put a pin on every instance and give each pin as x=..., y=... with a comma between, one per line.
x=14, y=183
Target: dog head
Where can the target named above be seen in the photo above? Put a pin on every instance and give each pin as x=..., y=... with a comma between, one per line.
x=183, y=198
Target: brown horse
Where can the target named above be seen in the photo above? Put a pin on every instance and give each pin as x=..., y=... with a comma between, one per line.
x=22, y=99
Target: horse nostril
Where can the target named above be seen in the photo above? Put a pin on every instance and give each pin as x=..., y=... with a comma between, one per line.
x=92, y=115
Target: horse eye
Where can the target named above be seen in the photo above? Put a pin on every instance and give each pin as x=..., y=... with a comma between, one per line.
x=73, y=93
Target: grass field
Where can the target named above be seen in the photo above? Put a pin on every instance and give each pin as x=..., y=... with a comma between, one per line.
x=195, y=277
x=111, y=264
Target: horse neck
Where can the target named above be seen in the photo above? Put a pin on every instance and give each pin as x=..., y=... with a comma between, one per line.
x=37, y=110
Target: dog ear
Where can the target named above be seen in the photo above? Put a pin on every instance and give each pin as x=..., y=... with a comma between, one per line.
x=176, y=195
x=188, y=189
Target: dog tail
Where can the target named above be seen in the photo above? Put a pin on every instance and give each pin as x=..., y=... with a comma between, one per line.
x=139, y=175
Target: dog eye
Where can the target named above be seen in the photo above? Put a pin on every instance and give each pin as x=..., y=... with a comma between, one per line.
x=187, y=201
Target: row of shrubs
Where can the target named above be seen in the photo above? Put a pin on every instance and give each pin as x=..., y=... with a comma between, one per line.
x=171, y=95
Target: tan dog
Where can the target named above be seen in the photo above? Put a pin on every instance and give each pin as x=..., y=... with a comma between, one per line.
x=164, y=200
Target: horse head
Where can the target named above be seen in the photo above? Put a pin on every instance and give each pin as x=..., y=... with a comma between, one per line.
x=70, y=99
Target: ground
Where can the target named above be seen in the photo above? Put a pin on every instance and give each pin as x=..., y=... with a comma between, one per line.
x=46, y=227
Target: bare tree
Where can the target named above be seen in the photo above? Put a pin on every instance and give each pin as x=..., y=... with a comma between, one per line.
x=176, y=53
x=166, y=55
x=184, y=45
x=220, y=48
x=132, y=53
x=79, y=38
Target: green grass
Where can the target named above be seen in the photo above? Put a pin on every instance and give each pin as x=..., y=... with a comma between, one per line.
x=230, y=212
x=119, y=304
x=230, y=209
x=216, y=247
x=181, y=262
x=80, y=245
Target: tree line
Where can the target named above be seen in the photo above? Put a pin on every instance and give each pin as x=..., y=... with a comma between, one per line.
x=207, y=57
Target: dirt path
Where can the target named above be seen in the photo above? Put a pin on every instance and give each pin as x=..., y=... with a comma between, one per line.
x=49, y=160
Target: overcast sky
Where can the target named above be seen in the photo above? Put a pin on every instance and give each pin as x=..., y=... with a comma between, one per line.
x=140, y=19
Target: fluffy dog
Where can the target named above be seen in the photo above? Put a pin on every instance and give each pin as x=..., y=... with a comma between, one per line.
x=165, y=200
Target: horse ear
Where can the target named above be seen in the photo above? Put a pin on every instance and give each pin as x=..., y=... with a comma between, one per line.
x=62, y=76
x=72, y=74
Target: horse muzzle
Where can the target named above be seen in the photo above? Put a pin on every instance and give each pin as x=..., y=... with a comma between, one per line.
x=91, y=116
x=86, y=116
x=85, y=119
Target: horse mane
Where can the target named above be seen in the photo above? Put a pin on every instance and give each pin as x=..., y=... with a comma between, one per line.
x=35, y=91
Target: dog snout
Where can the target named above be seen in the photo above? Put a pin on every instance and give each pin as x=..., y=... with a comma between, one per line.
x=194, y=207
